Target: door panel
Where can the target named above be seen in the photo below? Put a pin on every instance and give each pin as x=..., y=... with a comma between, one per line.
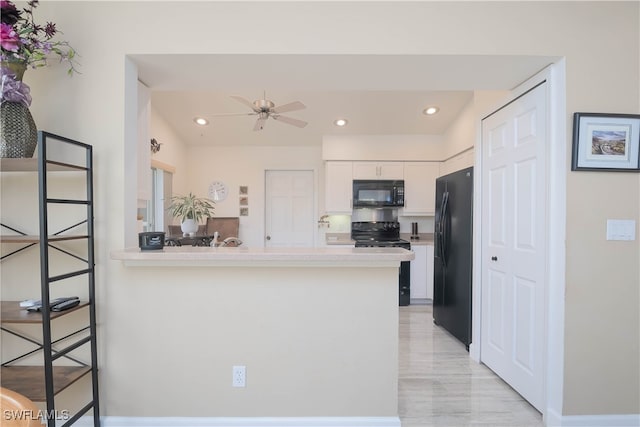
x=495, y=290
x=514, y=243
x=289, y=209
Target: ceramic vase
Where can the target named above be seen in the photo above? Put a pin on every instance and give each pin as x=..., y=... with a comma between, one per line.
x=18, y=132
x=19, y=135
x=189, y=227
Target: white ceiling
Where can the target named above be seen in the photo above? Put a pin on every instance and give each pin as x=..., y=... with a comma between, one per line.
x=378, y=94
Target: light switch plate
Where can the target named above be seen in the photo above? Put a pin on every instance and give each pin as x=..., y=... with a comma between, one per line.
x=621, y=229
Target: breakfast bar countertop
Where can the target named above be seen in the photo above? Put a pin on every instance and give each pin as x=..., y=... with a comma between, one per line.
x=247, y=256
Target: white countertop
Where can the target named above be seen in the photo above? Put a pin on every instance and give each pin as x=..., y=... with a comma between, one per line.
x=261, y=257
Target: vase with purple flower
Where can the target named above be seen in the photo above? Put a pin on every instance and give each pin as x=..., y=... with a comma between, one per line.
x=19, y=135
x=24, y=44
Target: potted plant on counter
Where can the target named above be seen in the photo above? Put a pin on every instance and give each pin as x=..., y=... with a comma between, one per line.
x=191, y=210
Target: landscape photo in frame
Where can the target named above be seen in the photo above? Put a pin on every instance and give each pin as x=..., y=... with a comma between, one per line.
x=606, y=142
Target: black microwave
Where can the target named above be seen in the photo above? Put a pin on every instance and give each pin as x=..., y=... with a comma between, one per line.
x=368, y=193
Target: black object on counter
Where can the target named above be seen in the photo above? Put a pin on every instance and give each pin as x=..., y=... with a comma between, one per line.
x=414, y=231
x=151, y=240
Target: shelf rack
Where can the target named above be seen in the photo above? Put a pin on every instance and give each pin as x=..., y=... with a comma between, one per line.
x=43, y=383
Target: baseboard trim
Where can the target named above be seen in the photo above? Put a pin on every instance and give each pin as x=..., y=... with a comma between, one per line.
x=553, y=419
x=245, y=421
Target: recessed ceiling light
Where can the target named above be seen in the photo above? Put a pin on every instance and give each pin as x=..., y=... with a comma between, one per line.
x=201, y=121
x=340, y=122
x=429, y=111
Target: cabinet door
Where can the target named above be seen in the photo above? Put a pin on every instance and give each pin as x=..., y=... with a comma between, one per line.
x=365, y=170
x=391, y=170
x=338, y=187
x=429, y=272
x=420, y=187
x=378, y=170
x=419, y=279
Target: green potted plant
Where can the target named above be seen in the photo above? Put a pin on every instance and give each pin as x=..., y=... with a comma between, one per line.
x=191, y=210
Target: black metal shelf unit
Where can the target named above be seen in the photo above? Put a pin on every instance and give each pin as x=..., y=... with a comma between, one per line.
x=42, y=383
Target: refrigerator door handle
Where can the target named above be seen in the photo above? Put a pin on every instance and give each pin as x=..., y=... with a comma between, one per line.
x=444, y=224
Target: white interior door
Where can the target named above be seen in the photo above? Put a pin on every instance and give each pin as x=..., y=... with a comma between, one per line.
x=289, y=209
x=514, y=141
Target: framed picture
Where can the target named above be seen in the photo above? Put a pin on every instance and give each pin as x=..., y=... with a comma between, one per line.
x=244, y=190
x=244, y=201
x=244, y=211
x=606, y=142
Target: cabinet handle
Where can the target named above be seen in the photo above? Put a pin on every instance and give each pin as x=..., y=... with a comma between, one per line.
x=268, y=237
x=494, y=258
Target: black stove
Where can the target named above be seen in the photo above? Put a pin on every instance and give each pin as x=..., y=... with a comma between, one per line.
x=383, y=244
x=385, y=234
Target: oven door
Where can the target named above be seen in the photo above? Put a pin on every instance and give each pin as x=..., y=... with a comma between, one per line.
x=378, y=194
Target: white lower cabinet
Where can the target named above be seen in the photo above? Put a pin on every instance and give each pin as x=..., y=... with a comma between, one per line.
x=430, y=272
x=422, y=272
x=419, y=272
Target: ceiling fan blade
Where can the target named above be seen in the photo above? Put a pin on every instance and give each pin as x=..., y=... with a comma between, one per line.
x=292, y=106
x=231, y=114
x=259, y=124
x=290, y=121
x=245, y=102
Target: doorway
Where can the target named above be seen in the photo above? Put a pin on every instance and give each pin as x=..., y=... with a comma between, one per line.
x=545, y=358
x=289, y=208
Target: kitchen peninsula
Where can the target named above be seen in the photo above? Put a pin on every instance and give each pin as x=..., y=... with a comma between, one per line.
x=316, y=328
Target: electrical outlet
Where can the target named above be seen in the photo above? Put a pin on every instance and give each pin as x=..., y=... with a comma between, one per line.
x=239, y=376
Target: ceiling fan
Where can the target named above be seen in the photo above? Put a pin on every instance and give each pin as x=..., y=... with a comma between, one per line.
x=264, y=108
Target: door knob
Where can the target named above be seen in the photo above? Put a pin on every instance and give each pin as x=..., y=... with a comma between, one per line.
x=268, y=237
x=494, y=258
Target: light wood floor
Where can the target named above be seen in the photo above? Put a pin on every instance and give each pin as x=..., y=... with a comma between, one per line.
x=439, y=385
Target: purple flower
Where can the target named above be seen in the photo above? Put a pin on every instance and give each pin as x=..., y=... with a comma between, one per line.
x=9, y=38
x=13, y=90
x=22, y=39
x=50, y=29
x=9, y=13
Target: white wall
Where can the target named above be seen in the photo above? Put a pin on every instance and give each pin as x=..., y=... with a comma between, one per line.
x=173, y=151
x=382, y=147
x=237, y=166
x=602, y=329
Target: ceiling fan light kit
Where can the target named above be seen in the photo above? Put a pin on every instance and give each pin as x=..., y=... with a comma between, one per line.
x=265, y=108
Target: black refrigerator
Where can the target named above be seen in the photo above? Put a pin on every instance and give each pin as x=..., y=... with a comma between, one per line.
x=453, y=254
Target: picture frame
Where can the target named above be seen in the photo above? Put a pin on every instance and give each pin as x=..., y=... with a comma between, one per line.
x=244, y=211
x=244, y=190
x=606, y=142
x=244, y=201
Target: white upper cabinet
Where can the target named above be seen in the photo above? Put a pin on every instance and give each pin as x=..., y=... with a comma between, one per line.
x=338, y=187
x=378, y=170
x=420, y=187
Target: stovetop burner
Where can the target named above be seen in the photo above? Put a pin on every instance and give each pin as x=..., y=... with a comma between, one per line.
x=378, y=234
x=371, y=243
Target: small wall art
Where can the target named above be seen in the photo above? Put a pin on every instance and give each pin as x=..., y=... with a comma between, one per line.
x=244, y=190
x=244, y=211
x=244, y=201
x=606, y=142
